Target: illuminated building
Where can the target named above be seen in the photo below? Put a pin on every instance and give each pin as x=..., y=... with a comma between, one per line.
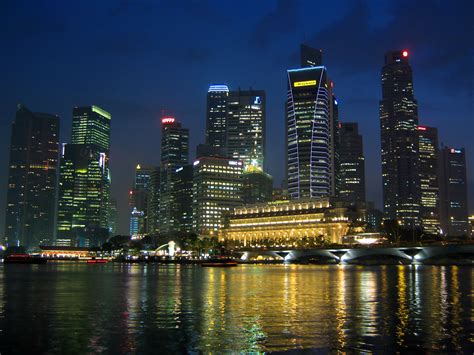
x=216, y=122
x=471, y=222
x=428, y=148
x=113, y=216
x=84, y=183
x=311, y=120
x=399, y=137
x=257, y=186
x=246, y=127
x=217, y=189
x=137, y=223
x=174, y=154
x=453, y=192
x=289, y=223
x=31, y=193
x=138, y=195
x=351, y=164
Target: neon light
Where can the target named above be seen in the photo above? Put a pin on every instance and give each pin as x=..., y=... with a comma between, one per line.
x=405, y=53
x=304, y=83
x=421, y=128
x=101, y=112
x=306, y=69
x=167, y=120
x=455, y=151
x=179, y=169
x=196, y=162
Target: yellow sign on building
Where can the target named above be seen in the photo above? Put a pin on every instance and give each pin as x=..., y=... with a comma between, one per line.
x=304, y=83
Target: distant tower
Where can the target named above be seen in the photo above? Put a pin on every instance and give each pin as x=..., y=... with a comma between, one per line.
x=32, y=175
x=352, y=163
x=216, y=120
x=311, y=121
x=399, y=136
x=174, y=155
x=453, y=192
x=139, y=194
x=428, y=148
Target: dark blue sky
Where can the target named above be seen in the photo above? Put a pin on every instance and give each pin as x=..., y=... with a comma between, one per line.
x=135, y=58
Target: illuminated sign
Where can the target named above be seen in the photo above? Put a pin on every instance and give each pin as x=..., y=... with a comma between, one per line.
x=233, y=162
x=421, y=128
x=179, y=169
x=298, y=84
x=405, y=53
x=257, y=100
x=455, y=151
x=196, y=162
x=167, y=120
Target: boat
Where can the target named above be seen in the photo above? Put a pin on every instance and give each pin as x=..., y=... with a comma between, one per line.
x=24, y=259
x=97, y=261
x=220, y=262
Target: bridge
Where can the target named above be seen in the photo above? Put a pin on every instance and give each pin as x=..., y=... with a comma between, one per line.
x=456, y=253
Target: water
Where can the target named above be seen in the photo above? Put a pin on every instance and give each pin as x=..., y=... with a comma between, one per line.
x=119, y=308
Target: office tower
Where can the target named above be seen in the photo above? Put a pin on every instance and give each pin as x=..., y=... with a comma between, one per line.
x=351, y=163
x=183, y=199
x=216, y=121
x=32, y=174
x=311, y=121
x=137, y=223
x=399, y=136
x=138, y=195
x=453, y=192
x=153, y=218
x=217, y=189
x=246, y=127
x=257, y=186
x=428, y=150
x=174, y=154
x=84, y=183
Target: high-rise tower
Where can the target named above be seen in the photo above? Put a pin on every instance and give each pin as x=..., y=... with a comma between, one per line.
x=84, y=184
x=32, y=178
x=246, y=127
x=352, y=163
x=399, y=137
x=311, y=120
x=216, y=120
x=174, y=155
x=428, y=148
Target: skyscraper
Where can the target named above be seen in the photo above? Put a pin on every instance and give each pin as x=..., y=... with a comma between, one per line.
x=453, y=192
x=311, y=121
x=257, y=187
x=217, y=189
x=32, y=178
x=246, y=127
x=138, y=195
x=399, y=136
x=153, y=218
x=174, y=154
x=84, y=184
x=352, y=163
x=216, y=121
x=428, y=148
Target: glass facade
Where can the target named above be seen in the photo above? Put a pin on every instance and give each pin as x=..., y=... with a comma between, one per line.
x=216, y=122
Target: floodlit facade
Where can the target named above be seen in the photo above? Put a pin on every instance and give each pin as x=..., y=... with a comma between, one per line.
x=32, y=173
x=288, y=223
x=399, y=138
x=428, y=148
x=217, y=190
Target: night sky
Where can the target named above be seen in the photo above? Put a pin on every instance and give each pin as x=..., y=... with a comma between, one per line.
x=135, y=58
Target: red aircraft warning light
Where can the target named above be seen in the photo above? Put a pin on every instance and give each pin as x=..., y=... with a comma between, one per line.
x=405, y=53
x=167, y=120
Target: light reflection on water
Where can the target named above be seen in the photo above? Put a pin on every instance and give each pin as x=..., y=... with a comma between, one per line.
x=121, y=308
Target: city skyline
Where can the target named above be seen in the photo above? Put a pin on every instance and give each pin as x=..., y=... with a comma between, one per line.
x=126, y=153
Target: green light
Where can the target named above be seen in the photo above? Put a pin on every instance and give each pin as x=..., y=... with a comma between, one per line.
x=101, y=112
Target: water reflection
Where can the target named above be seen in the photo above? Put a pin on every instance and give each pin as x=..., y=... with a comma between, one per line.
x=120, y=308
